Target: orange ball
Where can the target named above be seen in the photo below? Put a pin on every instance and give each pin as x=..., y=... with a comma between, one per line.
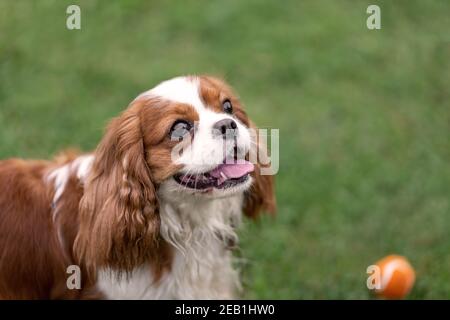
x=397, y=277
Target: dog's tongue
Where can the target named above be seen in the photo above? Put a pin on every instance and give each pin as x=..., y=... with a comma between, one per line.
x=231, y=171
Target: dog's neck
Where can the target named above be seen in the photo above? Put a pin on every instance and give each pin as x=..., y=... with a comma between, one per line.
x=186, y=224
x=200, y=234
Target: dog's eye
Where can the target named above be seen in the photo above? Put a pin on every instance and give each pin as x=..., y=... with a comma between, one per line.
x=179, y=130
x=227, y=106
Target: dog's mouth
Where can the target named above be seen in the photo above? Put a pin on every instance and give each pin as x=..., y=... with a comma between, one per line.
x=222, y=177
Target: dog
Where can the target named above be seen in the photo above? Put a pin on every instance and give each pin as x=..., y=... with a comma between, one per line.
x=135, y=219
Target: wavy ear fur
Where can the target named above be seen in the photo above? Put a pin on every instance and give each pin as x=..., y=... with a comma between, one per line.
x=119, y=213
x=261, y=196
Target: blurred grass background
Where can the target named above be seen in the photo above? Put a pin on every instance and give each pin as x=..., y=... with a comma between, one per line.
x=364, y=117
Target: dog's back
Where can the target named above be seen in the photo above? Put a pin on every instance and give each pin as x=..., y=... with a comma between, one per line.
x=32, y=262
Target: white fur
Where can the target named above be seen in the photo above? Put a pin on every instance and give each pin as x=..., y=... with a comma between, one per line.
x=206, y=151
x=80, y=166
x=83, y=166
x=202, y=266
x=180, y=89
x=60, y=176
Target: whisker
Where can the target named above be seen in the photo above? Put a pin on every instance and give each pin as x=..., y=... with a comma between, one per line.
x=183, y=185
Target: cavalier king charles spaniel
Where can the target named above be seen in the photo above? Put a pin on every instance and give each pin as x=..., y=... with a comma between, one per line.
x=150, y=214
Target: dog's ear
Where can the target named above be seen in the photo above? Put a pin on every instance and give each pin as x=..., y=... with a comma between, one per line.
x=119, y=212
x=261, y=195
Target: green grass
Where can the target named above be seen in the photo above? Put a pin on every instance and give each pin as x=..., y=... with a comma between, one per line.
x=364, y=118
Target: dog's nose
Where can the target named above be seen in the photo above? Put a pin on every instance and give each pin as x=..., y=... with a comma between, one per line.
x=226, y=128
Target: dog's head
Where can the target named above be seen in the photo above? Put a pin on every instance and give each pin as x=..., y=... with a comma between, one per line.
x=187, y=138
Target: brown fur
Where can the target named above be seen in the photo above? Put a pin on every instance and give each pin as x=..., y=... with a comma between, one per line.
x=120, y=210
x=32, y=264
x=261, y=196
x=111, y=221
x=215, y=91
